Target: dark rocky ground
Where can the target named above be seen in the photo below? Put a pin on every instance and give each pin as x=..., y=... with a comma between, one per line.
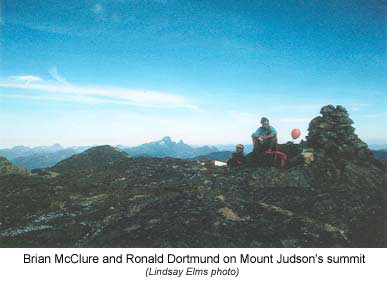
x=116, y=201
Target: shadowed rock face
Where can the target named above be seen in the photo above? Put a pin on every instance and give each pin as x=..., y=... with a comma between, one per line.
x=153, y=202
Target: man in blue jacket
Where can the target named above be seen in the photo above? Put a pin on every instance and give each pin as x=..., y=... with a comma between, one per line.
x=265, y=137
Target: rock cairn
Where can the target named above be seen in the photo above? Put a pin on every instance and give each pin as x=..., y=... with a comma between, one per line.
x=332, y=134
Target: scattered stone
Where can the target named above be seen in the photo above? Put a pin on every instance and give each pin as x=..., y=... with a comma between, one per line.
x=229, y=214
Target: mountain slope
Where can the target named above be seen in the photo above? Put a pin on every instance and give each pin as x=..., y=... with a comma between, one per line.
x=7, y=168
x=93, y=158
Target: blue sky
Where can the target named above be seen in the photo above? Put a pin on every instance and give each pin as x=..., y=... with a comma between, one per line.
x=130, y=71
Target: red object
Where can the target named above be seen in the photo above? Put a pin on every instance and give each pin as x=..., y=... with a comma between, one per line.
x=238, y=162
x=296, y=133
x=277, y=153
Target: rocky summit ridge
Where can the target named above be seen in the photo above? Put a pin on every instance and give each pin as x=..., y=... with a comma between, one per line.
x=102, y=198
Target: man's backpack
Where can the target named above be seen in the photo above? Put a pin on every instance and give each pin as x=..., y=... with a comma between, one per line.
x=277, y=156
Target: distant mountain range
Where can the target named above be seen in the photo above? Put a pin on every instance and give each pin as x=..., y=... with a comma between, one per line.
x=41, y=156
x=43, y=159
x=168, y=148
x=48, y=156
x=380, y=154
x=378, y=146
x=231, y=147
x=23, y=151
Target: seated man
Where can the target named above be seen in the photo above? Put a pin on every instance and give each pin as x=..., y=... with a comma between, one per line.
x=265, y=137
x=237, y=157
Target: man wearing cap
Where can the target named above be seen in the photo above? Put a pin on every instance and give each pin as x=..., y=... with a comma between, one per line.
x=265, y=137
x=237, y=158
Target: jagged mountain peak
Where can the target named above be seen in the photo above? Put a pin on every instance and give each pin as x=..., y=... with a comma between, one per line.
x=166, y=147
x=166, y=139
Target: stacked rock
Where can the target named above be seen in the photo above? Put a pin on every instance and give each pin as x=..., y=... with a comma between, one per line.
x=332, y=134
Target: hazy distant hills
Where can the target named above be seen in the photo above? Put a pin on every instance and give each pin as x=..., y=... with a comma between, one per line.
x=380, y=154
x=39, y=157
x=378, y=146
x=23, y=151
x=231, y=147
x=44, y=159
